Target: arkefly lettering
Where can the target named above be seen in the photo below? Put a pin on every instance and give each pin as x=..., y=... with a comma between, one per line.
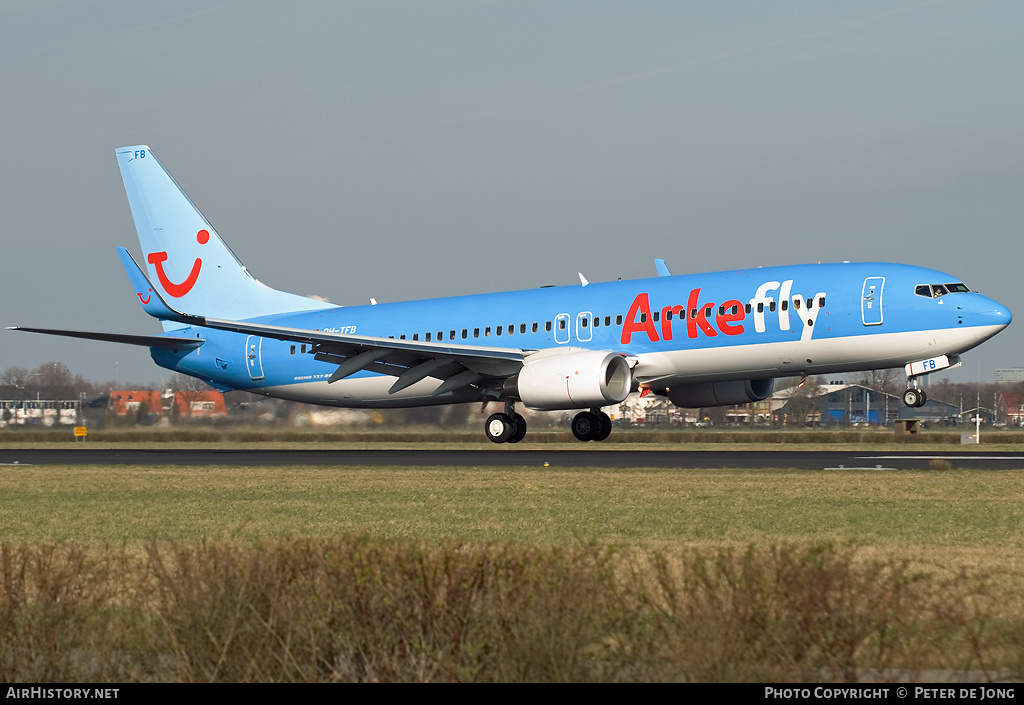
x=709, y=318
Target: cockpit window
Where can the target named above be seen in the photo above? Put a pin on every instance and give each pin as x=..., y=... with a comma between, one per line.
x=934, y=291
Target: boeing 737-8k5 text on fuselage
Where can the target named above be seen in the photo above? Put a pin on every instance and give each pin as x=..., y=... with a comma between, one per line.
x=700, y=339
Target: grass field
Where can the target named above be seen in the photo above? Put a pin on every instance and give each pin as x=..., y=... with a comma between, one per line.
x=973, y=518
x=741, y=607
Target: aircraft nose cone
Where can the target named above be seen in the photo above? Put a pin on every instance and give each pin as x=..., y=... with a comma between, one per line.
x=989, y=312
x=1000, y=314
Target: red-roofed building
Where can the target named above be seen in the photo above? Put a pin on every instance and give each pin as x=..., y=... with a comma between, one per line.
x=206, y=404
x=130, y=401
x=1011, y=409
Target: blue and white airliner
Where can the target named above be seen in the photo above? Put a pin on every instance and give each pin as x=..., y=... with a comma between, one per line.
x=699, y=339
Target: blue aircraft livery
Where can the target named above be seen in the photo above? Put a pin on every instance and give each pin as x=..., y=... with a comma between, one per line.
x=700, y=339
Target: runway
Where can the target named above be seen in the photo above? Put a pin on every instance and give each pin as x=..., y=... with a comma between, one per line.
x=604, y=458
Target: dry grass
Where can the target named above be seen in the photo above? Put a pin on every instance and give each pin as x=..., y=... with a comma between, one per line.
x=361, y=609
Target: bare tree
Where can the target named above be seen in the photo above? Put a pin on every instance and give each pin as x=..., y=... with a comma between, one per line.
x=189, y=389
x=888, y=381
x=18, y=378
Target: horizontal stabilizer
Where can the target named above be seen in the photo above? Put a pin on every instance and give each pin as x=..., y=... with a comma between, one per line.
x=148, y=341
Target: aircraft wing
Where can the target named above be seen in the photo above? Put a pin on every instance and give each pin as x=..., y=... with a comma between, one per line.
x=408, y=360
x=149, y=341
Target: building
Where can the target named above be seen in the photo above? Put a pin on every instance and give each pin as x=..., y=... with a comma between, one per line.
x=124, y=402
x=1010, y=375
x=207, y=404
x=188, y=404
x=43, y=407
x=835, y=403
x=1010, y=409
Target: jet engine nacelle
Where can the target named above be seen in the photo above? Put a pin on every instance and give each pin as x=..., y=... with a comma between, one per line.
x=695, y=396
x=574, y=380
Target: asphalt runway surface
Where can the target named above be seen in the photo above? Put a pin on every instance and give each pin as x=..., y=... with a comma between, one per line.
x=604, y=458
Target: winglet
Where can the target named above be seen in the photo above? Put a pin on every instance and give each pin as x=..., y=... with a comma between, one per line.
x=149, y=297
x=662, y=268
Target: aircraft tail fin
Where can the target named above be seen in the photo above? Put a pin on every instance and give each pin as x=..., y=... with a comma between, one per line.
x=185, y=258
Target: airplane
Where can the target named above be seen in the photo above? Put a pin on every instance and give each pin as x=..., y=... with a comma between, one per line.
x=700, y=340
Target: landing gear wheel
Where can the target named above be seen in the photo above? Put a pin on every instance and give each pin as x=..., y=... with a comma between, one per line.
x=606, y=426
x=586, y=425
x=500, y=428
x=912, y=397
x=520, y=432
x=921, y=398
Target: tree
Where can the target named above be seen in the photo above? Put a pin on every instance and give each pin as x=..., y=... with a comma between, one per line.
x=801, y=406
x=17, y=378
x=887, y=381
x=189, y=389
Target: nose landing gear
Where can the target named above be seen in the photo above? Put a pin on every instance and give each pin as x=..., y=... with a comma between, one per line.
x=914, y=397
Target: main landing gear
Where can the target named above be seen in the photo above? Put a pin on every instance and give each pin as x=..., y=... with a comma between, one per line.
x=506, y=427
x=510, y=427
x=593, y=425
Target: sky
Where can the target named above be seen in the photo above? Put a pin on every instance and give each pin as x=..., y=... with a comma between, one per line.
x=402, y=150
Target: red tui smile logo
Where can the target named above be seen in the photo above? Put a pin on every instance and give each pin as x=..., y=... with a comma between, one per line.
x=157, y=259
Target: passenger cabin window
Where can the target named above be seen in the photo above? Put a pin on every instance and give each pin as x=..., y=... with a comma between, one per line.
x=547, y=326
x=426, y=337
